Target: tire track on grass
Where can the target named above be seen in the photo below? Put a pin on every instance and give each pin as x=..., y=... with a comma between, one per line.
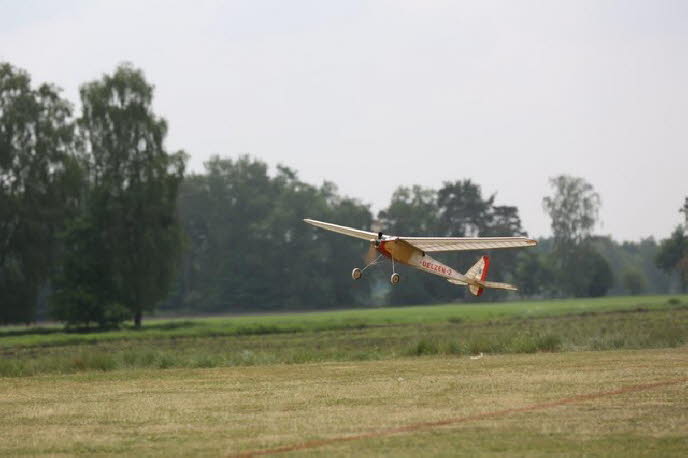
x=457, y=420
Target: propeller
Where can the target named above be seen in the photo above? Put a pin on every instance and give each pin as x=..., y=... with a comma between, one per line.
x=372, y=251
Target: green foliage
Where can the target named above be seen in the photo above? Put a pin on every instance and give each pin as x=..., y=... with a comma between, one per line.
x=573, y=208
x=340, y=320
x=76, y=306
x=579, y=270
x=583, y=273
x=412, y=211
x=658, y=327
x=672, y=256
x=634, y=281
x=596, y=270
x=633, y=256
x=424, y=347
x=463, y=210
x=37, y=177
x=122, y=249
x=248, y=247
x=534, y=273
x=83, y=293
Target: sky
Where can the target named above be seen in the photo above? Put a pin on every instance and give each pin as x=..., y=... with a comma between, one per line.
x=377, y=94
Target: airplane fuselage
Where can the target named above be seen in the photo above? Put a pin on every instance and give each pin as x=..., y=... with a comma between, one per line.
x=404, y=253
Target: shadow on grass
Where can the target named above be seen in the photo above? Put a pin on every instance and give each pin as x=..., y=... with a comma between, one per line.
x=168, y=325
x=31, y=331
x=164, y=326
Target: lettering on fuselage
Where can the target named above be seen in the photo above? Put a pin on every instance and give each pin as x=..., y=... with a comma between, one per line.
x=436, y=267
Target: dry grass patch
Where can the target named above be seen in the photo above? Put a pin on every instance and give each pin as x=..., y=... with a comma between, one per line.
x=211, y=412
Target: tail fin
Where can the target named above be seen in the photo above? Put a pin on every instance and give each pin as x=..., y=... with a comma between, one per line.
x=477, y=275
x=478, y=272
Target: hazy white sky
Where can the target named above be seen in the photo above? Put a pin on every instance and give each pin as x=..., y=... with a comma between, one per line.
x=372, y=95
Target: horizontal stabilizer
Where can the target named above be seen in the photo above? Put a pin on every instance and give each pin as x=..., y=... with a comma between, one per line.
x=498, y=285
x=456, y=282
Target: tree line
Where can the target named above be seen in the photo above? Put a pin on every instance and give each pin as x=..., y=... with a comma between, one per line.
x=100, y=222
x=87, y=204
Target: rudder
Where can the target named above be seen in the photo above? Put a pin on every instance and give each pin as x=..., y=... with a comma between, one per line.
x=478, y=271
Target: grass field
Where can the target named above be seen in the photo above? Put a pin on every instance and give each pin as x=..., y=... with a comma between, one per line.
x=354, y=336
x=225, y=411
x=12, y=336
x=393, y=381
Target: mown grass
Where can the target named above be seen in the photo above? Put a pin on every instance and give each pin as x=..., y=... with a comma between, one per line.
x=658, y=327
x=341, y=320
x=223, y=411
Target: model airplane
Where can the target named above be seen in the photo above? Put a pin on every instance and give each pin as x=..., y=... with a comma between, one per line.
x=413, y=251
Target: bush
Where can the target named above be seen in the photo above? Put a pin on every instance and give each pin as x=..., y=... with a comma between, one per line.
x=485, y=345
x=9, y=368
x=82, y=294
x=455, y=348
x=634, y=281
x=76, y=307
x=94, y=361
x=205, y=361
x=424, y=347
x=548, y=342
x=166, y=361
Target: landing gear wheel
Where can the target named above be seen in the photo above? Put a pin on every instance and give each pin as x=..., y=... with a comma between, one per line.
x=356, y=273
x=395, y=279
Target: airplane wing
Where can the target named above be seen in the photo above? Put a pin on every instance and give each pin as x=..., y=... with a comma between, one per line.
x=434, y=244
x=350, y=231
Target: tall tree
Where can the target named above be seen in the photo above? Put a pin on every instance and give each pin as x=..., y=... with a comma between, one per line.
x=412, y=211
x=574, y=209
x=463, y=212
x=37, y=169
x=502, y=221
x=133, y=186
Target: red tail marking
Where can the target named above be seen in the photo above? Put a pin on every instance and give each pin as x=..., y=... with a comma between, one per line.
x=486, y=267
